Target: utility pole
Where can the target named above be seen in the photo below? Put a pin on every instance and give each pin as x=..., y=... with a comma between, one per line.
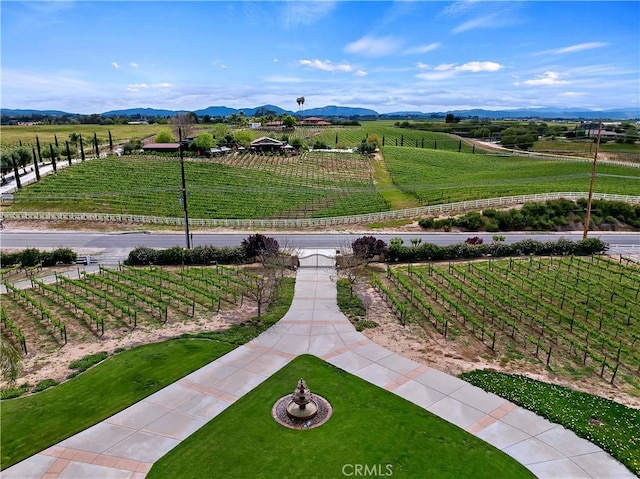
x=593, y=180
x=184, y=193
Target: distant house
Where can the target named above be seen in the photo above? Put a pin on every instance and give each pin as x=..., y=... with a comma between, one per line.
x=264, y=143
x=161, y=147
x=314, y=121
x=255, y=125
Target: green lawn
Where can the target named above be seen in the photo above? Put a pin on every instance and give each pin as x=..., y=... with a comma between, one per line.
x=369, y=426
x=33, y=423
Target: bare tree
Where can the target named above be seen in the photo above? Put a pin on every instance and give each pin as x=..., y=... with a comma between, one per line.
x=185, y=122
x=262, y=289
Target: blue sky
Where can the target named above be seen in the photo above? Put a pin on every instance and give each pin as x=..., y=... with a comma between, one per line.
x=90, y=56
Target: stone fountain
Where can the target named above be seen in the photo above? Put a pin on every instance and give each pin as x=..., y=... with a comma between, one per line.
x=302, y=406
x=302, y=410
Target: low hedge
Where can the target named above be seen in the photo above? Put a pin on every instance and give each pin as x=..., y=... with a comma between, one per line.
x=433, y=252
x=32, y=257
x=143, y=255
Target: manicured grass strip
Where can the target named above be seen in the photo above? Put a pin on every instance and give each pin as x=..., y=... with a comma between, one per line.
x=608, y=424
x=33, y=423
x=369, y=426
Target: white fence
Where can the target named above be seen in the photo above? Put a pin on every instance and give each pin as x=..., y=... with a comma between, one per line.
x=458, y=207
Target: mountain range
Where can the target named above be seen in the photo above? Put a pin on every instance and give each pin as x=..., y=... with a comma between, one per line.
x=346, y=111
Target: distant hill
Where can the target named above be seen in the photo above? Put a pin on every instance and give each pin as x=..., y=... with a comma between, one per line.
x=547, y=113
x=144, y=112
x=216, y=111
x=265, y=108
x=347, y=111
x=339, y=111
x=10, y=112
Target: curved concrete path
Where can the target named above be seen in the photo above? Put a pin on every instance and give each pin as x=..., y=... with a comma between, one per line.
x=127, y=444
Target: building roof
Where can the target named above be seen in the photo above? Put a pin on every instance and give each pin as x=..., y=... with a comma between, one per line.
x=266, y=141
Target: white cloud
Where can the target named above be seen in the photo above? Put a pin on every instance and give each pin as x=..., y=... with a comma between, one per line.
x=485, y=21
x=282, y=79
x=115, y=65
x=547, y=78
x=144, y=86
x=361, y=73
x=480, y=67
x=133, y=65
x=296, y=13
x=447, y=70
x=137, y=86
x=327, y=66
x=423, y=49
x=574, y=48
x=459, y=7
x=373, y=46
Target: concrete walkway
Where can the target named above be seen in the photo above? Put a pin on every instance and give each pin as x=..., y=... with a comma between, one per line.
x=127, y=444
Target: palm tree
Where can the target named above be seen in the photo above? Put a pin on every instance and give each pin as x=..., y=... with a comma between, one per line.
x=10, y=361
x=300, y=102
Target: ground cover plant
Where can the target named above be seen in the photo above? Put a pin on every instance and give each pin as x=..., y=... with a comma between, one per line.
x=236, y=186
x=47, y=316
x=576, y=315
x=35, y=422
x=612, y=426
x=369, y=426
x=435, y=177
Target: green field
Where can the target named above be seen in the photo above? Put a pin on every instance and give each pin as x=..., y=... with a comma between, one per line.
x=239, y=186
x=369, y=426
x=435, y=177
x=12, y=135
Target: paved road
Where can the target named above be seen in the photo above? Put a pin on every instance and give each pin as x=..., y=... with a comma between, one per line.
x=28, y=239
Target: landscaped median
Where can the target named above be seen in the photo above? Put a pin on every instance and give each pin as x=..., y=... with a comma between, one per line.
x=369, y=427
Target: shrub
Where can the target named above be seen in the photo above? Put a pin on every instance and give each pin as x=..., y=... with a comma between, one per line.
x=427, y=223
x=142, y=255
x=15, y=392
x=86, y=362
x=30, y=257
x=471, y=221
x=260, y=245
x=474, y=240
x=366, y=247
x=44, y=384
x=63, y=256
x=173, y=255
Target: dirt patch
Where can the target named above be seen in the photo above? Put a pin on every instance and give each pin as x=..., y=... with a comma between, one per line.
x=427, y=346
